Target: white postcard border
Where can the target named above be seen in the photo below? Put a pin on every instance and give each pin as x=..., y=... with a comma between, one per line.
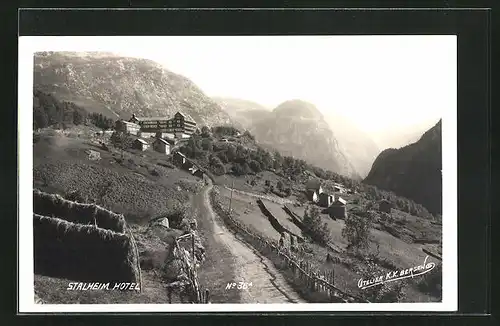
x=28, y=45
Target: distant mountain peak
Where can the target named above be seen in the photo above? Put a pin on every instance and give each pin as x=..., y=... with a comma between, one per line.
x=299, y=109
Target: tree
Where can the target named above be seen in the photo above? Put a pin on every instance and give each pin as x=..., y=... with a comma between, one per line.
x=217, y=166
x=357, y=230
x=222, y=156
x=78, y=117
x=206, y=132
x=207, y=144
x=279, y=185
x=237, y=169
x=255, y=166
x=121, y=141
x=317, y=230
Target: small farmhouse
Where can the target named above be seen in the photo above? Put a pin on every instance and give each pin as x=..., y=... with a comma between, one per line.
x=339, y=189
x=338, y=208
x=385, y=206
x=179, y=159
x=161, y=145
x=325, y=200
x=140, y=144
x=313, y=190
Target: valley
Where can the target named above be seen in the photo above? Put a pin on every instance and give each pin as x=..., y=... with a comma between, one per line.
x=236, y=186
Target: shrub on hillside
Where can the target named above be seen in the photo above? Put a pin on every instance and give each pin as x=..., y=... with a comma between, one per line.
x=357, y=230
x=314, y=227
x=255, y=166
x=49, y=111
x=216, y=166
x=225, y=131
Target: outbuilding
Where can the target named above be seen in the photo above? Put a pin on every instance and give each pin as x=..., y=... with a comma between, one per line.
x=162, y=146
x=338, y=209
x=140, y=144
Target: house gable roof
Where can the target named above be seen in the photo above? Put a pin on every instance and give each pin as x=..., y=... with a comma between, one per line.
x=339, y=201
x=142, y=141
x=186, y=117
x=162, y=141
x=313, y=184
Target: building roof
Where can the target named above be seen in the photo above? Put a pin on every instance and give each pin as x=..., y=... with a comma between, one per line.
x=162, y=140
x=129, y=123
x=313, y=184
x=180, y=154
x=340, y=200
x=187, y=117
x=324, y=194
x=151, y=118
x=142, y=141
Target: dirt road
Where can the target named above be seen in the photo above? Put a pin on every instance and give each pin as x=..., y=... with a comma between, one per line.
x=238, y=262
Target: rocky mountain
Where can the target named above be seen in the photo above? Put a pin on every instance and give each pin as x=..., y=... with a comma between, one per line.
x=244, y=113
x=413, y=171
x=358, y=147
x=296, y=128
x=118, y=86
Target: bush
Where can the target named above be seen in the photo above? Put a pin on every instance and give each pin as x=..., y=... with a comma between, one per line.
x=216, y=166
x=357, y=230
x=255, y=166
x=314, y=228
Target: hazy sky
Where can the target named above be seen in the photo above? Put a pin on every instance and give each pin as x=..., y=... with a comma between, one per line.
x=376, y=81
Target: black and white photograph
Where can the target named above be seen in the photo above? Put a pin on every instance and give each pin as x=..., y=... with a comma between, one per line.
x=238, y=173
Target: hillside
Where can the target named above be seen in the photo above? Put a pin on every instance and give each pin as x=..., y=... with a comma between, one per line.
x=296, y=128
x=359, y=148
x=413, y=171
x=244, y=113
x=119, y=86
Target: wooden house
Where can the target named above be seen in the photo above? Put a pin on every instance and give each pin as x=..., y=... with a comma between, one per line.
x=313, y=190
x=338, y=208
x=140, y=144
x=162, y=146
x=325, y=199
x=179, y=159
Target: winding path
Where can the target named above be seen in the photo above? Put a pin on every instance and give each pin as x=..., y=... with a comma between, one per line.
x=268, y=285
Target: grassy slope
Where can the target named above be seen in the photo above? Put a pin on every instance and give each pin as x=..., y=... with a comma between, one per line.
x=61, y=165
x=398, y=252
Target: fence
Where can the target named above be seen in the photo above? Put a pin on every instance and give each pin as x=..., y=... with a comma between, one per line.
x=273, y=199
x=299, y=273
x=189, y=287
x=298, y=221
x=275, y=222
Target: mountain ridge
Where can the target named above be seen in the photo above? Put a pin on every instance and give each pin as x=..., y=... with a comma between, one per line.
x=119, y=86
x=412, y=171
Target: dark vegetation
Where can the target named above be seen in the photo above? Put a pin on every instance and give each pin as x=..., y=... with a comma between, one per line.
x=48, y=111
x=313, y=226
x=234, y=158
x=413, y=171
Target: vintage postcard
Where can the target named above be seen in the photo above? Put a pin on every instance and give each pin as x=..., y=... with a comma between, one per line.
x=237, y=173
